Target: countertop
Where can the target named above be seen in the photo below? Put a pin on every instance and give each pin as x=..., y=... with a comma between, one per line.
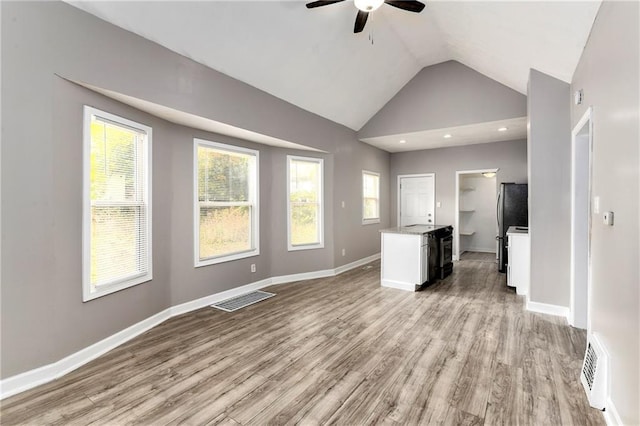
x=518, y=230
x=413, y=229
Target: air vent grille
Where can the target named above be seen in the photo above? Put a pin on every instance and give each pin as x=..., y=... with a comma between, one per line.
x=594, y=372
x=590, y=364
x=239, y=302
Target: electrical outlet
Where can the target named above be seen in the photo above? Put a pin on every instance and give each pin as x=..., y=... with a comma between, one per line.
x=344, y=252
x=253, y=267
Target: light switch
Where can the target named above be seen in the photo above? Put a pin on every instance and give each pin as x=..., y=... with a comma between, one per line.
x=343, y=204
x=438, y=204
x=607, y=218
x=596, y=205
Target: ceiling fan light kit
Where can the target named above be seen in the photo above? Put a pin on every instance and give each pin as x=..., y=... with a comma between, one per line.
x=366, y=6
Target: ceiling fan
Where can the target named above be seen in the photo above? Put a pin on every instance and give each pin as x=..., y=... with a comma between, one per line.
x=366, y=6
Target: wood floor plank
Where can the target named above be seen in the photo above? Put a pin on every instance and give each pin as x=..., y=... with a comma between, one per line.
x=338, y=350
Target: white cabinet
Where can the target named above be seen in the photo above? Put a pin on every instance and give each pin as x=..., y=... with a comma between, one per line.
x=518, y=260
x=402, y=261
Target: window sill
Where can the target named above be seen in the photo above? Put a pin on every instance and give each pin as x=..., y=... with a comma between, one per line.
x=370, y=221
x=228, y=258
x=106, y=289
x=305, y=247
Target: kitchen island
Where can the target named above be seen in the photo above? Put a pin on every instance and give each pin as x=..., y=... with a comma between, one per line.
x=414, y=255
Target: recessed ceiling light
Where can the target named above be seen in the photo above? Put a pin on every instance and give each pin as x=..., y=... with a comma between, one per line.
x=447, y=136
x=403, y=141
x=502, y=129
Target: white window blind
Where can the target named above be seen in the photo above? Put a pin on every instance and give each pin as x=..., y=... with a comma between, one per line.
x=117, y=214
x=370, y=197
x=226, y=202
x=305, y=202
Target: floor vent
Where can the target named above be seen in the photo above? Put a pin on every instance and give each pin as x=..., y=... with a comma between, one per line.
x=594, y=373
x=239, y=302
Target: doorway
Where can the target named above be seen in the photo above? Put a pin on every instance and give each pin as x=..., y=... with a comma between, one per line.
x=416, y=199
x=476, y=224
x=581, y=148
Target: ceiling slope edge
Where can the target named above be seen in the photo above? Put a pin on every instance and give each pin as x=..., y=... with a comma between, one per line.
x=194, y=121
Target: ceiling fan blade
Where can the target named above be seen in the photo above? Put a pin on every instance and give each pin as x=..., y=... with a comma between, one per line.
x=361, y=20
x=322, y=3
x=408, y=5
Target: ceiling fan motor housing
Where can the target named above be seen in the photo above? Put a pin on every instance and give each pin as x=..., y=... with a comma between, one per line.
x=368, y=5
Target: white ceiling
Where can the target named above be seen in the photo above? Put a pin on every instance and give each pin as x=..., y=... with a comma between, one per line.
x=461, y=135
x=312, y=59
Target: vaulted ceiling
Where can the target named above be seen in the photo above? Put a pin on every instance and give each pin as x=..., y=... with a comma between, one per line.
x=312, y=59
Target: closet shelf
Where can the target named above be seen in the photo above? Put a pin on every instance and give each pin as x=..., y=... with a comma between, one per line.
x=467, y=232
x=469, y=188
x=467, y=210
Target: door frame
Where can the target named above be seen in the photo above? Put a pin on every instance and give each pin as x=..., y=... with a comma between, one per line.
x=456, y=226
x=399, y=199
x=586, y=120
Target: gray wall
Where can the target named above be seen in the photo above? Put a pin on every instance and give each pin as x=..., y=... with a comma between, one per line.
x=608, y=73
x=549, y=157
x=357, y=239
x=510, y=157
x=43, y=318
x=445, y=95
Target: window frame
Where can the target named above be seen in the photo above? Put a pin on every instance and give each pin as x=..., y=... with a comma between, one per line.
x=320, y=243
x=104, y=289
x=373, y=220
x=254, y=196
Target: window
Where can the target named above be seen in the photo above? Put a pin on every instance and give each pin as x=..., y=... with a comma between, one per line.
x=304, y=207
x=117, y=204
x=226, y=202
x=370, y=197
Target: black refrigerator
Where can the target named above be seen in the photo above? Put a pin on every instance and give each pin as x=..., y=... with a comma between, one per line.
x=512, y=210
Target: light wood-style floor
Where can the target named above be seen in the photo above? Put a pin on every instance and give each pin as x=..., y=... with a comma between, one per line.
x=479, y=256
x=340, y=350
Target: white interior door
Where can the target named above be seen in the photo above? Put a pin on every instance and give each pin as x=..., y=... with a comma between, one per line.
x=417, y=200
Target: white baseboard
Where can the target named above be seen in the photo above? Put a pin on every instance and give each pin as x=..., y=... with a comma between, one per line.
x=610, y=414
x=544, y=308
x=41, y=375
x=399, y=285
x=283, y=279
x=481, y=250
x=353, y=265
x=32, y=378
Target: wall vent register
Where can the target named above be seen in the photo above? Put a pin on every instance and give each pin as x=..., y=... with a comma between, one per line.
x=594, y=373
x=239, y=302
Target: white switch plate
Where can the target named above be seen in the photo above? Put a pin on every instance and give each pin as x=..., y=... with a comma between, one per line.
x=344, y=252
x=438, y=204
x=343, y=204
x=253, y=267
x=607, y=218
x=596, y=205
